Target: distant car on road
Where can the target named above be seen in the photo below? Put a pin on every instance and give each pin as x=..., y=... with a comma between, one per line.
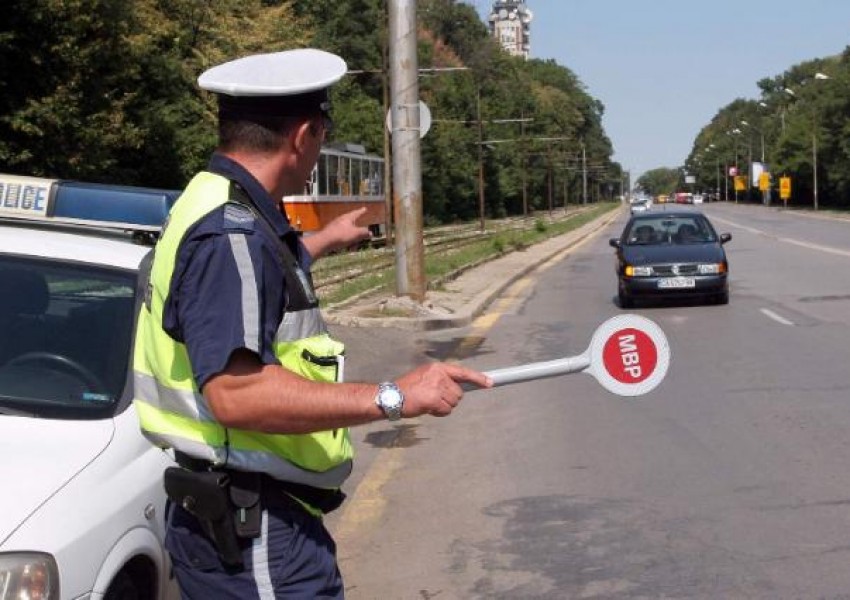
x=639, y=206
x=671, y=255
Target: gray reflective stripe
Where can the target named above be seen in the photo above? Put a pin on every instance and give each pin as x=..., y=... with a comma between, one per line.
x=198, y=450
x=260, y=561
x=300, y=324
x=248, y=460
x=183, y=402
x=280, y=468
x=250, y=300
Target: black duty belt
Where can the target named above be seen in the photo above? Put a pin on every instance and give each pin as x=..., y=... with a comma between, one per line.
x=274, y=492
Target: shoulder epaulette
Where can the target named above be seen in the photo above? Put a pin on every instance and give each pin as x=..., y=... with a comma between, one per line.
x=238, y=217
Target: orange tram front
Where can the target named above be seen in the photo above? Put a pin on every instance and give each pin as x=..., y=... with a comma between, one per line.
x=345, y=178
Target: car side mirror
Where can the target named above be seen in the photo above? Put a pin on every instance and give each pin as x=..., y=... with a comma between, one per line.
x=614, y=242
x=725, y=237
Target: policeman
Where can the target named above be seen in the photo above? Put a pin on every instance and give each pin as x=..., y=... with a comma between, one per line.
x=234, y=367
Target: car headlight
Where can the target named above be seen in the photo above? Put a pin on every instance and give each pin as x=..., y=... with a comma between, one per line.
x=28, y=575
x=712, y=269
x=632, y=271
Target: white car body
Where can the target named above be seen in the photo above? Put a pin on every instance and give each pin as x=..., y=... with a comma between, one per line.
x=639, y=206
x=83, y=494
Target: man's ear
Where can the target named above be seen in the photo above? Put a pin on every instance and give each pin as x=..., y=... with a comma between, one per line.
x=299, y=135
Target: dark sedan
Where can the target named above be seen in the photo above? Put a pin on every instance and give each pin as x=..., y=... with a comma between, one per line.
x=671, y=255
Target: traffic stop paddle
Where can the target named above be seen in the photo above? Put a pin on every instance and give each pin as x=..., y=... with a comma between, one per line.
x=628, y=355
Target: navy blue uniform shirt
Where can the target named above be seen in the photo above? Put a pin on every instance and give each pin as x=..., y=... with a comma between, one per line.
x=228, y=288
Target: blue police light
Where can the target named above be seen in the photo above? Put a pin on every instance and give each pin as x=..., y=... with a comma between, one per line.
x=114, y=206
x=146, y=207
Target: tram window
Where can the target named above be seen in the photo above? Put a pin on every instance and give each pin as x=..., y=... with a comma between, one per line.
x=345, y=176
x=377, y=177
x=333, y=175
x=322, y=178
x=311, y=185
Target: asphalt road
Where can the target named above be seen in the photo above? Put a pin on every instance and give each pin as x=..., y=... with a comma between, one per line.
x=730, y=480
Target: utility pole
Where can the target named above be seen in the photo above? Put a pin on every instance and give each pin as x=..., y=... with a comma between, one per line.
x=479, y=122
x=388, y=180
x=717, y=176
x=583, y=174
x=522, y=167
x=550, y=180
x=480, y=160
x=749, y=169
x=815, y=168
x=406, y=156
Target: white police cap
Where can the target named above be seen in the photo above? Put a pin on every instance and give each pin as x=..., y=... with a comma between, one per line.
x=287, y=73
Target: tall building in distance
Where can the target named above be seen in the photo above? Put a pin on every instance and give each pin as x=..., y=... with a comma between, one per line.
x=510, y=24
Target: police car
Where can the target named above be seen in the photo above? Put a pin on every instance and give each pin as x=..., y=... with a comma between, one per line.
x=81, y=513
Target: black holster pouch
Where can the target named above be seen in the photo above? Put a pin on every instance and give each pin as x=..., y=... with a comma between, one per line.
x=245, y=495
x=206, y=494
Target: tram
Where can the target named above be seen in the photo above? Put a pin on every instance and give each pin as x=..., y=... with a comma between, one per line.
x=345, y=177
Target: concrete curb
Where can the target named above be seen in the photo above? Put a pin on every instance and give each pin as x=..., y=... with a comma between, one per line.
x=472, y=308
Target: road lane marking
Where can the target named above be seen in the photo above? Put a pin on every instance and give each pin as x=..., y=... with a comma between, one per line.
x=770, y=314
x=801, y=243
x=366, y=505
x=810, y=246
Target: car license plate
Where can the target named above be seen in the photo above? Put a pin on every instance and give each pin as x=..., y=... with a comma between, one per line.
x=676, y=283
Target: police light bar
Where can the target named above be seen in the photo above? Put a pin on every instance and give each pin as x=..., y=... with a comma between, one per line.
x=93, y=204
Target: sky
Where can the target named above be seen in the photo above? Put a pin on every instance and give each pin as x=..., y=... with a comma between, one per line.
x=664, y=68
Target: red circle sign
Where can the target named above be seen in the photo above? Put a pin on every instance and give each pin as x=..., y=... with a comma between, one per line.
x=630, y=355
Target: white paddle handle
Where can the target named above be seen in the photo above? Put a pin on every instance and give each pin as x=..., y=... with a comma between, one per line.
x=537, y=370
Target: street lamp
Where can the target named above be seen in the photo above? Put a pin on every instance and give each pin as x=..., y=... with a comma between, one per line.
x=791, y=93
x=702, y=158
x=765, y=195
x=716, y=170
x=760, y=132
x=819, y=77
x=733, y=133
x=737, y=131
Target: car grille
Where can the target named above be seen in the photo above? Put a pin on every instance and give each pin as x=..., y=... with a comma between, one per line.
x=673, y=270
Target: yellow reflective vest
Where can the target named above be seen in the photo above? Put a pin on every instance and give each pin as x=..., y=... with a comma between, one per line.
x=172, y=411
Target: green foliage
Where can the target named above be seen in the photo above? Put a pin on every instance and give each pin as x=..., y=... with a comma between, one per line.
x=789, y=127
x=659, y=181
x=105, y=90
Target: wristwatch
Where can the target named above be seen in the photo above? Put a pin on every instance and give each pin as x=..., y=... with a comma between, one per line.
x=390, y=400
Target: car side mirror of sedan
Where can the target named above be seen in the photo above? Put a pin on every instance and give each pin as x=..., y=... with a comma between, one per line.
x=614, y=242
x=725, y=237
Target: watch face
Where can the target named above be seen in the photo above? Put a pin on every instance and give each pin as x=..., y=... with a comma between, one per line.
x=391, y=400
x=390, y=397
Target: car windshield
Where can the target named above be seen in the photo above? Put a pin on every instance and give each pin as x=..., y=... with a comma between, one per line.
x=670, y=229
x=65, y=338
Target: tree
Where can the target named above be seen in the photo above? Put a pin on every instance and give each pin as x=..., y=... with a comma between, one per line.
x=104, y=90
x=662, y=180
